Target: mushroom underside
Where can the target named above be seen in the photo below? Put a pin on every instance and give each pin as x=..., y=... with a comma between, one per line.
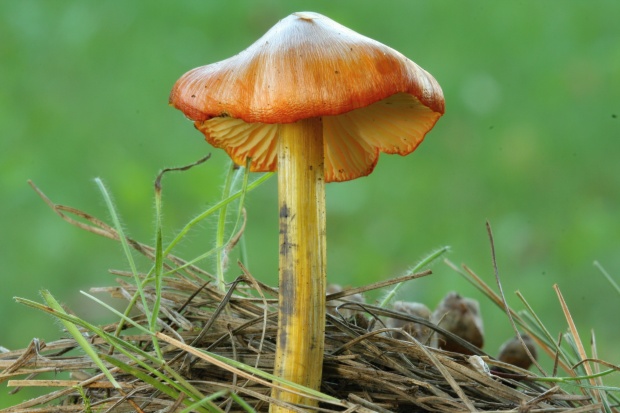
x=353, y=140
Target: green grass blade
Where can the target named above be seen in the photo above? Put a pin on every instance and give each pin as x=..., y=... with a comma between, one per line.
x=196, y=220
x=126, y=249
x=242, y=403
x=172, y=390
x=221, y=227
x=171, y=376
x=242, y=368
x=429, y=259
x=113, y=340
x=207, y=400
x=78, y=337
x=159, y=266
x=607, y=276
x=243, y=190
x=134, y=353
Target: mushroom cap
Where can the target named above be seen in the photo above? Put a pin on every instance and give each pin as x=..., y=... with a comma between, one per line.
x=370, y=97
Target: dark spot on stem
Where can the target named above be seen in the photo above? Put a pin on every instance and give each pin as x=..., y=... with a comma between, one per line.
x=285, y=246
x=287, y=303
x=287, y=290
x=285, y=217
x=284, y=212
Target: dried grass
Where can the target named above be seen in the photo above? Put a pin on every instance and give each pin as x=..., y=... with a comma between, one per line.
x=220, y=346
x=364, y=368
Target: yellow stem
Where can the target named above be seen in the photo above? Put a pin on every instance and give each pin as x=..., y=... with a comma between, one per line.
x=301, y=194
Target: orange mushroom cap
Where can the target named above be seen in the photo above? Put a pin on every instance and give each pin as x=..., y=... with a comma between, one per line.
x=370, y=97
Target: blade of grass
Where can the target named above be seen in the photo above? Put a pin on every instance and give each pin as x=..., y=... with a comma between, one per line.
x=172, y=392
x=243, y=253
x=221, y=224
x=242, y=403
x=131, y=351
x=606, y=275
x=159, y=257
x=236, y=234
x=429, y=259
x=476, y=281
x=222, y=247
x=246, y=371
x=507, y=308
x=223, y=362
x=597, y=369
x=483, y=287
x=113, y=340
x=159, y=265
x=573, y=379
x=546, y=336
x=241, y=193
x=127, y=251
x=196, y=220
x=575, y=336
x=208, y=400
x=78, y=337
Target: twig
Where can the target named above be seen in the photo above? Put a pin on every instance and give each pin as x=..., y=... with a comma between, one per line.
x=506, y=306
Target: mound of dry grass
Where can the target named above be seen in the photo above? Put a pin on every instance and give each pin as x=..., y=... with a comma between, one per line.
x=183, y=344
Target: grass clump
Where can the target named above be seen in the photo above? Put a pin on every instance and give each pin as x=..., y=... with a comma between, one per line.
x=188, y=341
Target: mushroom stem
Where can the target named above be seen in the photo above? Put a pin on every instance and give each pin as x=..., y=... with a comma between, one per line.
x=301, y=321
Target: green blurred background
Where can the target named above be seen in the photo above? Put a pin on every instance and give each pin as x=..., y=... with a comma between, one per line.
x=530, y=142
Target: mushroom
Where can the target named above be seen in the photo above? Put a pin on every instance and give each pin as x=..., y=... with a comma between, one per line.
x=420, y=332
x=513, y=352
x=461, y=316
x=318, y=102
